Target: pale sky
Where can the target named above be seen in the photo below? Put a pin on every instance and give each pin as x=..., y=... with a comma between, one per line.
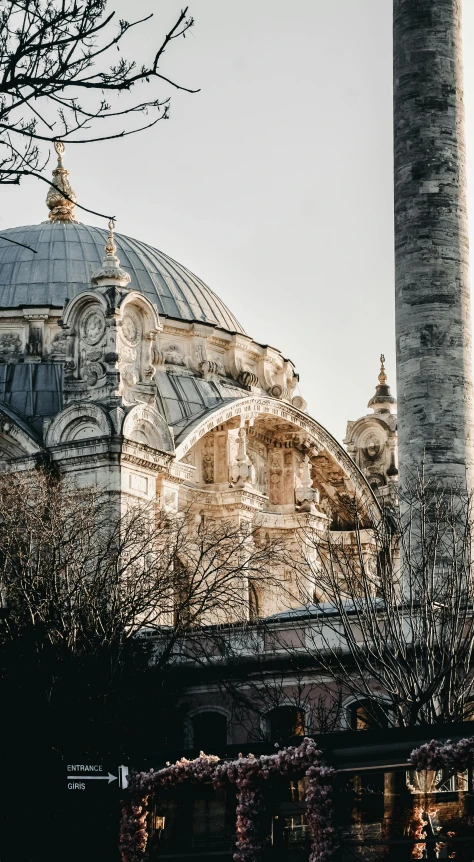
x=274, y=183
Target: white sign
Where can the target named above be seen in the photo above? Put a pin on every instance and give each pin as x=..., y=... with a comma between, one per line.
x=93, y=772
x=107, y=777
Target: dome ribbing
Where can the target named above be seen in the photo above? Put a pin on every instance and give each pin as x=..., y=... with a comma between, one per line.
x=68, y=254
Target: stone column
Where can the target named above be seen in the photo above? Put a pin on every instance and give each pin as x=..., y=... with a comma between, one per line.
x=433, y=324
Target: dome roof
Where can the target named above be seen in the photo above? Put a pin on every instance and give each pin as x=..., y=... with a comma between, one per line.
x=67, y=255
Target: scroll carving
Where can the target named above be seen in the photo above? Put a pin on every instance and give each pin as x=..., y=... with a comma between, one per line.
x=208, y=459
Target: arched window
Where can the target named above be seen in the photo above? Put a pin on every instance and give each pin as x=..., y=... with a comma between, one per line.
x=285, y=722
x=366, y=715
x=209, y=730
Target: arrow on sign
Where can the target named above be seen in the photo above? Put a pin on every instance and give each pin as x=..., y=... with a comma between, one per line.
x=108, y=777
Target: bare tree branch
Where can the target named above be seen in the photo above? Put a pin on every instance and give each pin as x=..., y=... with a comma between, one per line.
x=50, y=52
x=394, y=625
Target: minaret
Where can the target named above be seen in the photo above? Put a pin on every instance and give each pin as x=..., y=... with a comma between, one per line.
x=433, y=325
x=371, y=441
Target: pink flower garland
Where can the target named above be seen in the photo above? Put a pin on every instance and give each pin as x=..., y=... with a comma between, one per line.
x=417, y=829
x=248, y=775
x=133, y=833
x=320, y=813
x=434, y=755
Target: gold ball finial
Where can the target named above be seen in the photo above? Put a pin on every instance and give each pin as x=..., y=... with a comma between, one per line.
x=382, y=375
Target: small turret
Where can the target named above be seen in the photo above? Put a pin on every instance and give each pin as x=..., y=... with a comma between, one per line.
x=372, y=441
x=110, y=272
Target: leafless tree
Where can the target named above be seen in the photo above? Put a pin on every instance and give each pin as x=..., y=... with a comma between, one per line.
x=394, y=626
x=84, y=585
x=61, y=78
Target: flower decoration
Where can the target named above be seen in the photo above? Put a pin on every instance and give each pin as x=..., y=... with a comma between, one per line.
x=452, y=756
x=249, y=775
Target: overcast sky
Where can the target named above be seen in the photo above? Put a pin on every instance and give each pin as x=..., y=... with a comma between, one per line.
x=274, y=182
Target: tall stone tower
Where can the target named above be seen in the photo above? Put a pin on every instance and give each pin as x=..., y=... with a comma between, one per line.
x=433, y=324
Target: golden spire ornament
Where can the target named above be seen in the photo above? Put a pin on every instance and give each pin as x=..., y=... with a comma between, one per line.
x=61, y=200
x=110, y=271
x=382, y=375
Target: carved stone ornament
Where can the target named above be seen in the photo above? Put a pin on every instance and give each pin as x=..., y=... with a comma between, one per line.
x=131, y=328
x=173, y=355
x=58, y=343
x=93, y=326
x=299, y=403
x=157, y=356
x=208, y=459
x=92, y=355
x=148, y=373
x=92, y=373
x=129, y=375
x=248, y=378
x=276, y=391
x=242, y=471
x=372, y=447
x=217, y=363
x=306, y=496
x=210, y=368
x=10, y=343
x=258, y=456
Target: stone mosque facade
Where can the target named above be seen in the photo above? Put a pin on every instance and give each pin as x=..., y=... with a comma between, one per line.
x=123, y=369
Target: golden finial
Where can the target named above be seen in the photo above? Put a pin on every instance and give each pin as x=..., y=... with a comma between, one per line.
x=110, y=247
x=382, y=375
x=59, y=147
x=61, y=200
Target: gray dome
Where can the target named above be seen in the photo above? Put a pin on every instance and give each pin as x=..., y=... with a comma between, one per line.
x=67, y=254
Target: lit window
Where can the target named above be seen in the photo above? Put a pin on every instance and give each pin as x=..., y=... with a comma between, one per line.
x=366, y=715
x=285, y=722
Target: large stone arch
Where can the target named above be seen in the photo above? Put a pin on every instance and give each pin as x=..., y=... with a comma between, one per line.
x=250, y=409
